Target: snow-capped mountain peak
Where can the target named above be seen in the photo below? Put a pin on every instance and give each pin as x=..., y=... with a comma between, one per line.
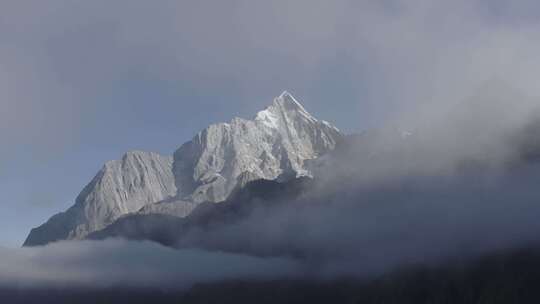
x=276, y=144
x=286, y=99
x=285, y=109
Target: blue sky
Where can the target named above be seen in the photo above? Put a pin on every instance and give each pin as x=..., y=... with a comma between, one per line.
x=81, y=82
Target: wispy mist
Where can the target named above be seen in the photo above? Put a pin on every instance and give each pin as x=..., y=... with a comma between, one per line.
x=122, y=264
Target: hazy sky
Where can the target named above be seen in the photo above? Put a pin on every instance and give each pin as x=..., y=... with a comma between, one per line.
x=81, y=82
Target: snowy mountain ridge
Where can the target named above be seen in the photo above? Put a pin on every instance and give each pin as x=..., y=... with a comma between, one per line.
x=276, y=145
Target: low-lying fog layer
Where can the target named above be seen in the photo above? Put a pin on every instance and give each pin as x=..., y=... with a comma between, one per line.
x=118, y=263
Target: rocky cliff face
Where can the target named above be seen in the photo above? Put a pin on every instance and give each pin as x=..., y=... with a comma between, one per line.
x=120, y=187
x=275, y=145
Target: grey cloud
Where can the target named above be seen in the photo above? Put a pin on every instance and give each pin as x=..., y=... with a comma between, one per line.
x=366, y=230
x=63, y=59
x=121, y=264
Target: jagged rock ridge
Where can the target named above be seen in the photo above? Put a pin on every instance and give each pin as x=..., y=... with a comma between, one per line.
x=276, y=145
x=273, y=145
x=120, y=187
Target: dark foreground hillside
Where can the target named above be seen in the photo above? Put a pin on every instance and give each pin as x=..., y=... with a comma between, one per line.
x=509, y=277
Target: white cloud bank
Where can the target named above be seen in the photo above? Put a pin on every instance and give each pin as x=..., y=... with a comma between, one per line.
x=117, y=263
